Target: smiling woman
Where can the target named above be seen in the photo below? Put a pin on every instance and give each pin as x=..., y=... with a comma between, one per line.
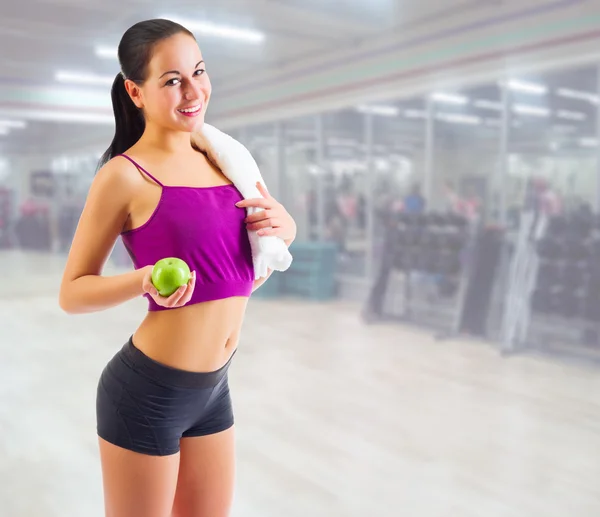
x=140, y=91
x=164, y=413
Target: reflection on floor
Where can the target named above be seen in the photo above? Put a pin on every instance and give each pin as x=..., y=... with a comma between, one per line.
x=335, y=419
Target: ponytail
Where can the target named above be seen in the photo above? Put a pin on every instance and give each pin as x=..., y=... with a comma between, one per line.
x=129, y=121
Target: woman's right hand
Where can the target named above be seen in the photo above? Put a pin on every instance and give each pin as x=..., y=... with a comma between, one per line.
x=178, y=299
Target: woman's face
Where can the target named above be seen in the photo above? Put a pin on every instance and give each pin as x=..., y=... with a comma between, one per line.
x=177, y=88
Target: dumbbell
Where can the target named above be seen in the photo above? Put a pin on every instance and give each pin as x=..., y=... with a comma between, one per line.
x=456, y=220
x=574, y=275
x=448, y=263
x=428, y=262
x=540, y=300
x=574, y=249
x=565, y=302
x=555, y=299
x=407, y=259
x=557, y=226
x=398, y=260
x=448, y=287
x=430, y=240
x=590, y=309
x=549, y=248
x=580, y=224
x=436, y=219
x=413, y=219
x=454, y=241
x=549, y=273
x=594, y=248
x=571, y=303
x=410, y=235
x=593, y=268
x=403, y=218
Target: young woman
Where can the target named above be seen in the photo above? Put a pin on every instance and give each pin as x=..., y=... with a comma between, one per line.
x=164, y=414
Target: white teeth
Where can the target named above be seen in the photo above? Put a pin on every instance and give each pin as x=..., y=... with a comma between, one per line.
x=190, y=110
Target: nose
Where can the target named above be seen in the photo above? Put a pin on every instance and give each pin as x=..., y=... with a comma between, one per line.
x=192, y=92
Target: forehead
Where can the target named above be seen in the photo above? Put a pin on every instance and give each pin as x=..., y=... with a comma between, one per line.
x=179, y=52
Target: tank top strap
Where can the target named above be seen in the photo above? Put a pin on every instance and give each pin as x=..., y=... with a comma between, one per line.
x=141, y=168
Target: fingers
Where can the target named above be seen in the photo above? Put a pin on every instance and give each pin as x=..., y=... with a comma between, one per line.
x=269, y=231
x=148, y=286
x=183, y=294
x=174, y=300
x=259, y=216
x=258, y=202
x=266, y=223
x=179, y=298
x=262, y=189
x=187, y=296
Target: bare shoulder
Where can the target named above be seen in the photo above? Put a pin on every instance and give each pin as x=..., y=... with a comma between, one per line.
x=119, y=174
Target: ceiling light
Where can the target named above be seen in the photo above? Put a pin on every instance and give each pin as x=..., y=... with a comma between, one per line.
x=457, y=118
x=524, y=109
x=414, y=114
x=220, y=31
x=384, y=111
x=13, y=124
x=450, y=98
x=105, y=52
x=526, y=87
x=60, y=116
x=344, y=142
x=588, y=142
x=79, y=78
x=492, y=122
x=564, y=129
x=576, y=94
x=571, y=115
x=488, y=105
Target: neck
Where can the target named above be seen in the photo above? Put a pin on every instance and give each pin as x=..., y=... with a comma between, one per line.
x=166, y=141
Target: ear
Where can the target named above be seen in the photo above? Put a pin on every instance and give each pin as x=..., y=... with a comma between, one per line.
x=134, y=92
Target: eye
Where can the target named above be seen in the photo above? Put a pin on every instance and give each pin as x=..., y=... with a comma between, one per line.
x=171, y=82
x=199, y=72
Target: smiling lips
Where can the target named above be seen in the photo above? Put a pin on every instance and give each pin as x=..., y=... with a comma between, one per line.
x=192, y=111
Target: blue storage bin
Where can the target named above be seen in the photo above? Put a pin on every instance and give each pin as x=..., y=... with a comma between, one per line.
x=312, y=273
x=271, y=288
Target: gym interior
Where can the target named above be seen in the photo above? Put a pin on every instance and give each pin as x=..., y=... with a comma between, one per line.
x=436, y=340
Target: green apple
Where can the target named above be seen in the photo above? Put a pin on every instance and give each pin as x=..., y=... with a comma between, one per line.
x=169, y=274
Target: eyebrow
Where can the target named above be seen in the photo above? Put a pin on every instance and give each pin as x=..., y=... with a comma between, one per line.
x=178, y=72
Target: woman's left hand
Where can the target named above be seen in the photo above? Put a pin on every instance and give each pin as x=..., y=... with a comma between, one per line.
x=273, y=220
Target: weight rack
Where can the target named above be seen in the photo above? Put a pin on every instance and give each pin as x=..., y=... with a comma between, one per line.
x=552, y=302
x=423, y=275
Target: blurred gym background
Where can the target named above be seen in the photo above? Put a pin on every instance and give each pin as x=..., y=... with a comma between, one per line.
x=442, y=161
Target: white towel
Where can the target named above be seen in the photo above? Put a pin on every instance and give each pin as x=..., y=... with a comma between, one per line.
x=238, y=165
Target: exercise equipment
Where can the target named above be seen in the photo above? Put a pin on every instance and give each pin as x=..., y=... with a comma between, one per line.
x=553, y=297
x=428, y=253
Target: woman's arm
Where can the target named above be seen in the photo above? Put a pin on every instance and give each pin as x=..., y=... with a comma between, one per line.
x=83, y=289
x=273, y=220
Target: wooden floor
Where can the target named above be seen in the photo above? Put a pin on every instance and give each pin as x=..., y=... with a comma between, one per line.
x=334, y=419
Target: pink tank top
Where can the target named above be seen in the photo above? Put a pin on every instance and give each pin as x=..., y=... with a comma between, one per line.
x=203, y=227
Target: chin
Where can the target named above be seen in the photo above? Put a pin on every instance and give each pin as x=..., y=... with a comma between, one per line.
x=193, y=125
x=198, y=125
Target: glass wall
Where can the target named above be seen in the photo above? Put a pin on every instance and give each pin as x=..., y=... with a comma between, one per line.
x=466, y=151
x=552, y=150
x=484, y=150
x=301, y=174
